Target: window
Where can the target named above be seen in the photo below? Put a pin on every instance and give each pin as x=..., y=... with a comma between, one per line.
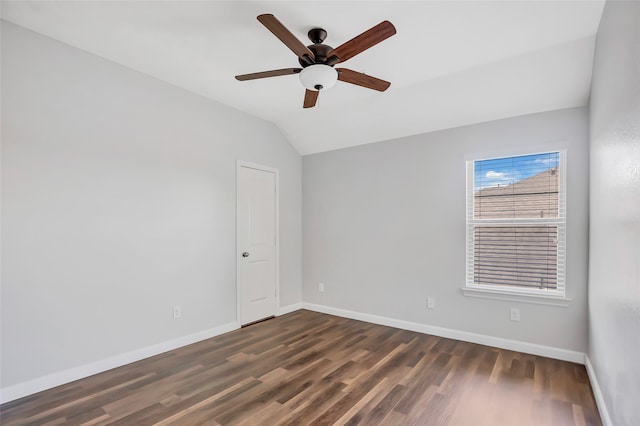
x=516, y=225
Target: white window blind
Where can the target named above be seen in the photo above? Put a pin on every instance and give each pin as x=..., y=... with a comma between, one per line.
x=516, y=224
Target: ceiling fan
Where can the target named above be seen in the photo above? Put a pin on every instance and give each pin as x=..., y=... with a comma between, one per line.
x=318, y=59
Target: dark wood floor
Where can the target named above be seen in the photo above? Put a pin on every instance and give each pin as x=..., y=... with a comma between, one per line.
x=315, y=369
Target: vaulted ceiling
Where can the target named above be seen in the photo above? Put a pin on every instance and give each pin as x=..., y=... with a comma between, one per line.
x=451, y=63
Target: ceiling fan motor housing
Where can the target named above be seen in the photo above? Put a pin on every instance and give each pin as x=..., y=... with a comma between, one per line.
x=320, y=50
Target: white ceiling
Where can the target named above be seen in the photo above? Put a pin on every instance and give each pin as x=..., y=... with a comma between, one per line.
x=451, y=63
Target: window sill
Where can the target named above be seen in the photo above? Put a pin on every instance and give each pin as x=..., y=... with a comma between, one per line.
x=516, y=297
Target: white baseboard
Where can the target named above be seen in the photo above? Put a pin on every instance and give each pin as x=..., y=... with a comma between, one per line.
x=56, y=379
x=498, y=342
x=289, y=308
x=597, y=393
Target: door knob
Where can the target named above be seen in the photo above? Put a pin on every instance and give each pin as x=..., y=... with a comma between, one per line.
x=245, y=254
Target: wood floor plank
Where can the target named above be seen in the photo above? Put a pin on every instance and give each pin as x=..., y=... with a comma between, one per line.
x=311, y=368
x=318, y=403
x=212, y=400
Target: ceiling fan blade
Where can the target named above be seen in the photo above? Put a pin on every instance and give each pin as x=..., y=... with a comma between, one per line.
x=360, y=79
x=310, y=98
x=285, y=36
x=367, y=39
x=265, y=74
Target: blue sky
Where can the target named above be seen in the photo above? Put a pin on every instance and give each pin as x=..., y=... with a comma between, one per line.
x=505, y=171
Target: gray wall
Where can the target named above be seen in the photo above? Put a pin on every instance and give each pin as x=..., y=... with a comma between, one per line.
x=384, y=228
x=614, y=256
x=118, y=201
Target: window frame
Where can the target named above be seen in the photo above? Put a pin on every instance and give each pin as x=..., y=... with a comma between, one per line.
x=555, y=296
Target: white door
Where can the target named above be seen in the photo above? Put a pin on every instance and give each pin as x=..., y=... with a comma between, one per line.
x=257, y=242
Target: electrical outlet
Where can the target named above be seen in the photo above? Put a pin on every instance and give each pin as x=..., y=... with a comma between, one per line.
x=431, y=303
x=515, y=314
x=177, y=312
x=321, y=287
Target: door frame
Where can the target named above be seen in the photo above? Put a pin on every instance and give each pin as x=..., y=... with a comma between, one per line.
x=276, y=172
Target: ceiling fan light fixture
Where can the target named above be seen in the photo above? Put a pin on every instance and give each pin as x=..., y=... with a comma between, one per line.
x=318, y=77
